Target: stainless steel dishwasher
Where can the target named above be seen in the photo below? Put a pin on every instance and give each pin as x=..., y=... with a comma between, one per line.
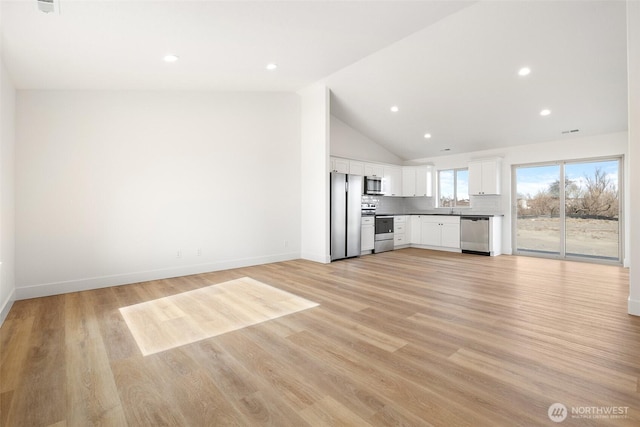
x=474, y=235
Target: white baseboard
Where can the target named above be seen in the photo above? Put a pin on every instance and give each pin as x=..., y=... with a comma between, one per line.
x=85, y=284
x=435, y=248
x=6, y=306
x=634, y=307
x=323, y=259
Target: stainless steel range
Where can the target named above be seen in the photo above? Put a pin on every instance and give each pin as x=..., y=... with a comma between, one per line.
x=368, y=209
x=384, y=234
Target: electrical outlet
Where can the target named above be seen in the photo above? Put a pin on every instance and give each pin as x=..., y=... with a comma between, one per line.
x=198, y=252
x=286, y=243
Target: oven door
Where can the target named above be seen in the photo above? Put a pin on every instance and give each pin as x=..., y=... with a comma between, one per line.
x=383, y=241
x=384, y=227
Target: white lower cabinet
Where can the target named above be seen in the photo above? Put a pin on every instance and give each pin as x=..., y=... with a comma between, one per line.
x=495, y=235
x=450, y=234
x=430, y=231
x=367, y=237
x=441, y=232
x=435, y=230
x=400, y=234
x=415, y=229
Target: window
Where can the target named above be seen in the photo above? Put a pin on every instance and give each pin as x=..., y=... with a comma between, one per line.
x=453, y=188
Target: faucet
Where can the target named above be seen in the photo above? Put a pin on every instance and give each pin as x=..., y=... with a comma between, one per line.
x=451, y=213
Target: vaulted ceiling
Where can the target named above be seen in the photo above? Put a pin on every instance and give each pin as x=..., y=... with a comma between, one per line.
x=449, y=66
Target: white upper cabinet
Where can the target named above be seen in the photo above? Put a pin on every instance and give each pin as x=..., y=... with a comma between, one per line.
x=356, y=168
x=409, y=181
x=475, y=178
x=392, y=181
x=398, y=181
x=424, y=178
x=372, y=169
x=339, y=165
x=484, y=177
x=417, y=181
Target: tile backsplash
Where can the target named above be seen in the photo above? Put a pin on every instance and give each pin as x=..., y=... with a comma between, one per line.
x=419, y=204
x=402, y=205
x=487, y=204
x=390, y=205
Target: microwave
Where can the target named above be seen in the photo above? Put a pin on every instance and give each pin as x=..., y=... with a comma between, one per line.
x=373, y=185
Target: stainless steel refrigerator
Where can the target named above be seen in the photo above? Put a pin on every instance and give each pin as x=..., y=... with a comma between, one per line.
x=346, y=215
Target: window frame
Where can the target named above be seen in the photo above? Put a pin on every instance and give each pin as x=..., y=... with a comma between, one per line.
x=455, y=188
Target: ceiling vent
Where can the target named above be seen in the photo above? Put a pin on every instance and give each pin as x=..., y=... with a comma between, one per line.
x=565, y=132
x=48, y=6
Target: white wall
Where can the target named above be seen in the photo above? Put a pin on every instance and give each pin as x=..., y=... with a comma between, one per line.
x=349, y=143
x=7, y=144
x=633, y=55
x=575, y=148
x=314, y=160
x=110, y=186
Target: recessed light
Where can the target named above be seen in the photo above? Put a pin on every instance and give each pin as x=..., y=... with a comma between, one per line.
x=170, y=58
x=427, y=135
x=395, y=109
x=524, y=71
x=545, y=112
x=272, y=66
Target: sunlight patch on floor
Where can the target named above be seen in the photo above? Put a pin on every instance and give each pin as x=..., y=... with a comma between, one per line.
x=181, y=319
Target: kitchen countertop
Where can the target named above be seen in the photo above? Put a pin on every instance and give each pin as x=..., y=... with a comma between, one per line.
x=476, y=215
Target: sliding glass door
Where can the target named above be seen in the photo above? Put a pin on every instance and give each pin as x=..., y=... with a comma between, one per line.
x=592, y=209
x=538, y=217
x=569, y=209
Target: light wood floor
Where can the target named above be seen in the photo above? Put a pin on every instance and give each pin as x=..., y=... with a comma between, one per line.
x=173, y=321
x=409, y=337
